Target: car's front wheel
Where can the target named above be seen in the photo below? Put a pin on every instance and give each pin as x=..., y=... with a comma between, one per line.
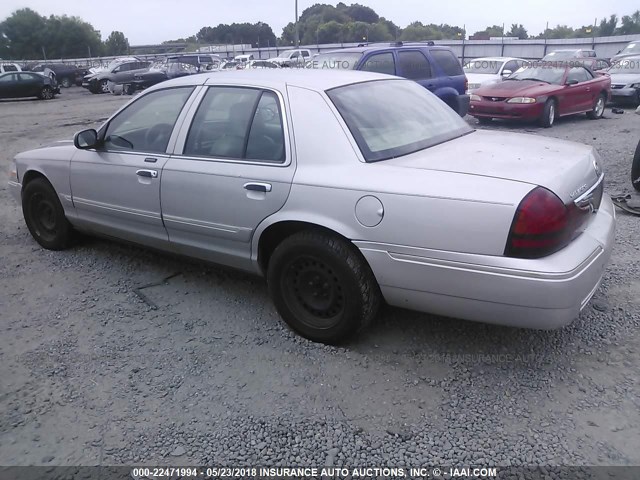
x=598, y=108
x=635, y=169
x=322, y=287
x=44, y=215
x=66, y=82
x=548, y=113
x=484, y=120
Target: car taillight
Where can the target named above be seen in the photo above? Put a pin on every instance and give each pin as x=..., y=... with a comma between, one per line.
x=543, y=225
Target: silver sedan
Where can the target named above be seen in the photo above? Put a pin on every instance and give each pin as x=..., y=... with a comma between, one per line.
x=344, y=189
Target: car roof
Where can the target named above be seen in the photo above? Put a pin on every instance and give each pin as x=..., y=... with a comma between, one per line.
x=390, y=46
x=278, y=79
x=496, y=59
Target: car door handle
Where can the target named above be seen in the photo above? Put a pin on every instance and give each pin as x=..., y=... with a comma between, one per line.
x=150, y=160
x=258, y=187
x=147, y=173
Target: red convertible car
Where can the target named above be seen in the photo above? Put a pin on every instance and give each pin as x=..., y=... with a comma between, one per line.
x=543, y=92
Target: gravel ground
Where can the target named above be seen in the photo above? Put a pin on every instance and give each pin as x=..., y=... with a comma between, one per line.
x=90, y=374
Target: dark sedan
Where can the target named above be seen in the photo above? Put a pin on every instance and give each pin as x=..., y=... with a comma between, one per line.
x=158, y=73
x=27, y=84
x=543, y=92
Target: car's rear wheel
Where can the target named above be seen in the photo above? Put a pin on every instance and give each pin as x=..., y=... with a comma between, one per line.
x=46, y=93
x=44, y=215
x=322, y=287
x=635, y=169
x=548, y=113
x=598, y=108
x=66, y=82
x=484, y=120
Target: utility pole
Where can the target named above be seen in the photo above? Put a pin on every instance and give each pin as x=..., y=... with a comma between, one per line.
x=297, y=34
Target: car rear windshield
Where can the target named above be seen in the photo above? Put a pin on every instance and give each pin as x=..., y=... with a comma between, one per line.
x=337, y=60
x=484, y=66
x=391, y=118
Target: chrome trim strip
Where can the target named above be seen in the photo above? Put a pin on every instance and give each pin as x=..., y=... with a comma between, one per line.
x=104, y=206
x=208, y=225
x=499, y=271
x=584, y=200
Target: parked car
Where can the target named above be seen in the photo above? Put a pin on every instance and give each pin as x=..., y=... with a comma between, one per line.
x=261, y=64
x=564, y=54
x=112, y=64
x=487, y=70
x=632, y=49
x=625, y=80
x=66, y=75
x=201, y=62
x=434, y=67
x=292, y=58
x=158, y=72
x=121, y=73
x=243, y=60
x=543, y=92
x=27, y=84
x=9, y=67
x=405, y=203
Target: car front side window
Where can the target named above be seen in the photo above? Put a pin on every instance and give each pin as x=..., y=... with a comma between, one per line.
x=146, y=124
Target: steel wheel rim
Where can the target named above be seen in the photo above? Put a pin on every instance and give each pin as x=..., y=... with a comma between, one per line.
x=104, y=86
x=66, y=83
x=43, y=215
x=47, y=94
x=313, y=292
x=552, y=113
x=599, y=110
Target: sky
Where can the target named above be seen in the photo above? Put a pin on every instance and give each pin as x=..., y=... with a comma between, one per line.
x=154, y=21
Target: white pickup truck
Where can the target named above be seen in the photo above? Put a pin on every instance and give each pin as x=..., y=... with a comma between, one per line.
x=292, y=58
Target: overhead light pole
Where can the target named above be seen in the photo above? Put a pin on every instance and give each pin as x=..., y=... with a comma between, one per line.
x=297, y=35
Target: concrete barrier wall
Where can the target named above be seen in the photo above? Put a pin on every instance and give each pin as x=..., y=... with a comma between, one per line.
x=605, y=47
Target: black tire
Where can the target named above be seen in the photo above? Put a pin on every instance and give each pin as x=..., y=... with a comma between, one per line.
x=44, y=215
x=598, y=107
x=484, y=120
x=548, y=113
x=635, y=169
x=46, y=93
x=66, y=82
x=322, y=287
x=95, y=88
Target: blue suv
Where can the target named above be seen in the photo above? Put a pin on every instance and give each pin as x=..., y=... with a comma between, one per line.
x=434, y=67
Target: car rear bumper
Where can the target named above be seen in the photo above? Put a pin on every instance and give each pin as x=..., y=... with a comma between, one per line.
x=544, y=293
x=516, y=111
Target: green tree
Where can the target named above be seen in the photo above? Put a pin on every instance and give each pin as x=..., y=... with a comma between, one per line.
x=116, y=44
x=517, y=31
x=24, y=34
x=630, y=24
x=608, y=27
x=493, y=31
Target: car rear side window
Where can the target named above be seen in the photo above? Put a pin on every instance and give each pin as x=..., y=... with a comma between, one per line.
x=415, y=119
x=414, y=65
x=146, y=124
x=10, y=68
x=238, y=123
x=380, y=63
x=447, y=62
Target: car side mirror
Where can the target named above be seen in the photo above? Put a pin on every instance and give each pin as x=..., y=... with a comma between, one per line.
x=86, y=139
x=571, y=82
x=506, y=73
